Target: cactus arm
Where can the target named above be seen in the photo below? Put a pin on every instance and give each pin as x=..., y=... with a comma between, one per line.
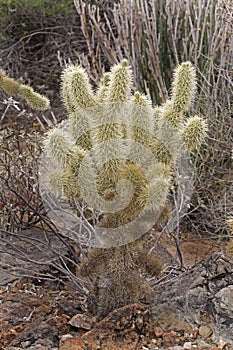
x=56, y=145
x=8, y=85
x=103, y=89
x=194, y=132
x=183, y=92
x=78, y=96
x=35, y=100
x=14, y=88
x=183, y=87
x=76, y=90
x=120, y=83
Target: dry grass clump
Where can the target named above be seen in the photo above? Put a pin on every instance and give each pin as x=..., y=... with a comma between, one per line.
x=20, y=202
x=155, y=36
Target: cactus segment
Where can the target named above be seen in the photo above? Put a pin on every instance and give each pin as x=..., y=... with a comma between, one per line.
x=57, y=145
x=76, y=89
x=194, y=132
x=120, y=83
x=10, y=86
x=35, y=100
x=103, y=89
x=183, y=87
x=183, y=92
x=14, y=88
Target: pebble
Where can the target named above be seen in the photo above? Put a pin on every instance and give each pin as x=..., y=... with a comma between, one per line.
x=39, y=347
x=222, y=344
x=153, y=345
x=158, y=332
x=201, y=344
x=205, y=331
x=25, y=344
x=187, y=345
x=224, y=301
x=65, y=337
x=82, y=321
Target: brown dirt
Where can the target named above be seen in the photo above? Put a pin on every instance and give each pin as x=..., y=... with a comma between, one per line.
x=44, y=316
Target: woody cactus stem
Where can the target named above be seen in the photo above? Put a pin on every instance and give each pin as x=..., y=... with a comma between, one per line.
x=14, y=88
x=131, y=141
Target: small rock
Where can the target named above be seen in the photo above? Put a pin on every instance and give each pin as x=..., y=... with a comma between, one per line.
x=118, y=330
x=202, y=345
x=39, y=347
x=59, y=322
x=187, y=345
x=205, y=331
x=38, y=330
x=153, y=341
x=48, y=343
x=193, y=335
x=82, y=321
x=171, y=338
x=224, y=301
x=222, y=344
x=72, y=344
x=69, y=307
x=158, y=332
x=25, y=344
x=65, y=337
x=153, y=345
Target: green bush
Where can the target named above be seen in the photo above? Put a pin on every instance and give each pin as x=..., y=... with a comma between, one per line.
x=46, y=7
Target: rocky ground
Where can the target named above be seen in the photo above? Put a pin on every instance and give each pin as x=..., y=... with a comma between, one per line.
x=191, y=310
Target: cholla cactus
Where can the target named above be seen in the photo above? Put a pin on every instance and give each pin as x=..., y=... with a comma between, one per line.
x=122, y=126
x=116, y=137
x=14, y=88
